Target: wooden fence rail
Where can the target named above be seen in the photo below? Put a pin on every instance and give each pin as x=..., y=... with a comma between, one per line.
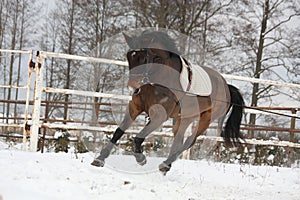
x=61, y=104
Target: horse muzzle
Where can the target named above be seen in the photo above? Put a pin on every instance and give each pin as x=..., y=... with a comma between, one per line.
x=133, y=86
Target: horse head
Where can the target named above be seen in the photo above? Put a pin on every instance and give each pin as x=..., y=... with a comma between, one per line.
x=153, y=59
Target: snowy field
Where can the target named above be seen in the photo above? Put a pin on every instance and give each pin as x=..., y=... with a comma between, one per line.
x=51, y=176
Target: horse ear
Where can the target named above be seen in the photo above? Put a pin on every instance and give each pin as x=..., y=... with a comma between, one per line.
x=128, y=39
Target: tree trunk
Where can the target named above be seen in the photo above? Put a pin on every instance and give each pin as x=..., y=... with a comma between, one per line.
x=69, y=51
x=258, y=67
x=20, y=55
x=3, y=20
x=12, y=58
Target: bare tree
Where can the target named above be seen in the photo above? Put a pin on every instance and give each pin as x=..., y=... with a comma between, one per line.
x=263, y=47
x=188, y=17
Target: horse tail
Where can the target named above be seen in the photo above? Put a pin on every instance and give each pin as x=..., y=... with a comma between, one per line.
x=232, y=127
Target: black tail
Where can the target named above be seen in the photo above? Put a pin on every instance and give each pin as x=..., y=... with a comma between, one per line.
x=232, y=127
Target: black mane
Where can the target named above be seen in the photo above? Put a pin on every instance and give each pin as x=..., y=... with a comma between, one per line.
x=148, y=37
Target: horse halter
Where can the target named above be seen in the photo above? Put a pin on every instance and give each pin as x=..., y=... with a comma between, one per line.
x=145, y=54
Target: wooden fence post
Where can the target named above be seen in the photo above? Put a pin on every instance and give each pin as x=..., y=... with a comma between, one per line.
x=26, y=130
x=292, y=139
x=37, y=103
x=44, y=129
x=293, y=125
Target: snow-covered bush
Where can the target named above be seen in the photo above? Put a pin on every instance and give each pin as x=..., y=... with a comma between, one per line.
x=62, y=141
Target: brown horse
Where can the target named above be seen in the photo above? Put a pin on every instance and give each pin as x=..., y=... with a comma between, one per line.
x=155, y=68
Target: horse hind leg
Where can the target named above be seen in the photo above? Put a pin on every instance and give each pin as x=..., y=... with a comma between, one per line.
x=220, y=125
x=188, y=143
x=179, y=131
x=158, y=115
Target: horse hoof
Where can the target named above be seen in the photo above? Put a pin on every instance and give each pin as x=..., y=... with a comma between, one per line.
x=164, y=168
x=140, y=158
x=98, y=163
x=142, y=162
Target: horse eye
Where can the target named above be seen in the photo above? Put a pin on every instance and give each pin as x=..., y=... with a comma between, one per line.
x=156, y=59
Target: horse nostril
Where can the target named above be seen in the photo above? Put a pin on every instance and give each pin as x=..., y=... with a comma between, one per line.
x=136, y=91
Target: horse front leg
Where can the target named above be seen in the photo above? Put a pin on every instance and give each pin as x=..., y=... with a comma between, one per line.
x=130, y=115
x=158, y=116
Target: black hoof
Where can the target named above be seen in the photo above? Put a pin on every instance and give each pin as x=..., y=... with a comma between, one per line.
x=98, y=163
x=164, y=168
x=140, y=158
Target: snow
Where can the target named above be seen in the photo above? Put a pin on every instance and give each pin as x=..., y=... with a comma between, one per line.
x=26, y=175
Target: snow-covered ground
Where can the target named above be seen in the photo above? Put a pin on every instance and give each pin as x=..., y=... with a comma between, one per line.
x=25, y=175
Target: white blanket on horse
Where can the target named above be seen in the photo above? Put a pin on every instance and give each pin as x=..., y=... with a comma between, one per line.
x=196, y=83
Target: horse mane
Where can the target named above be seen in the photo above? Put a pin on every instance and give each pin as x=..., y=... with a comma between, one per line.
x=162, y=38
